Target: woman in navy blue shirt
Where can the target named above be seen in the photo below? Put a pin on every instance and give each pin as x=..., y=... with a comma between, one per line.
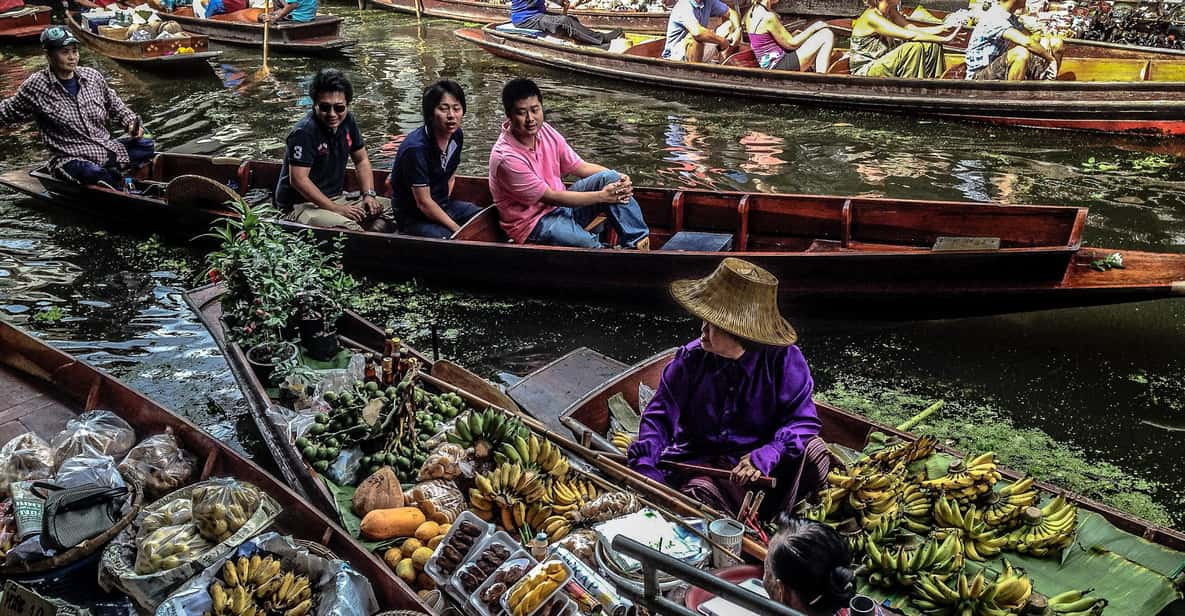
x=422, y=177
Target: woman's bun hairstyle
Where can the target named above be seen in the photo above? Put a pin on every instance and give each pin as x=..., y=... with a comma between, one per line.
x=814, y=561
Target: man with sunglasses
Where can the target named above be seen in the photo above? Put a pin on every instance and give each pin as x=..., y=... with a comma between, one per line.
x=313, y=177
x=72, y=106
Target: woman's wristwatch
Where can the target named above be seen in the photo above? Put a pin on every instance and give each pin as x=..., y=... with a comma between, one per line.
x=370, y=193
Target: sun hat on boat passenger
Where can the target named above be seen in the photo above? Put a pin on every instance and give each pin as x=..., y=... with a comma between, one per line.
x=739, y=298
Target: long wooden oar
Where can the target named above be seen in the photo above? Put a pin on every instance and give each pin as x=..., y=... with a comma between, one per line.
x=263, y=71
x=697, y=469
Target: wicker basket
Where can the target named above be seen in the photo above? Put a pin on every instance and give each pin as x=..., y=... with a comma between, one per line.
x=316, y=549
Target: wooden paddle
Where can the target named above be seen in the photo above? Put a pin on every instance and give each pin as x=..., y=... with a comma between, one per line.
x=449, y=372
x=696, y=469
x=263, y=71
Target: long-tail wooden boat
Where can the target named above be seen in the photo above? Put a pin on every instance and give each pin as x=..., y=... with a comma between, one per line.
x=486, y=12
x=24, y=25
x=44, y=388
x=157, y=54
x=831, y=253
x=1074, y=48
x=320, y=36
x=1093, y=94
x=588, y=419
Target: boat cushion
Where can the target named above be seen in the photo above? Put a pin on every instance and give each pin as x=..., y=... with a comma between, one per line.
x=513, y=29
x=699, y=241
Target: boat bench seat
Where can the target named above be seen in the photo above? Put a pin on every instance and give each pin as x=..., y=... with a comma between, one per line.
x=513, y=29
x=837, y=246
x=699, y=241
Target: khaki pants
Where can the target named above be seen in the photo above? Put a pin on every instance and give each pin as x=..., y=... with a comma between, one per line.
x=309, y=214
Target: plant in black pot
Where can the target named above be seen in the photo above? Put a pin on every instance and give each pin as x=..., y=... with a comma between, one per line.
x=318, y=334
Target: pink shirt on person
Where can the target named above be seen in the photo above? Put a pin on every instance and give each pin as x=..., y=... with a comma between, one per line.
x=520, y=175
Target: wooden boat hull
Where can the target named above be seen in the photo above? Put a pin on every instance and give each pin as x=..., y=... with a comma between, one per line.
x=487, y=12
x=834, y=255
x=24, y=26
x=44, y=387
x=1149, y=108
x=318, y=37
x=590, y=414
x=155, y=54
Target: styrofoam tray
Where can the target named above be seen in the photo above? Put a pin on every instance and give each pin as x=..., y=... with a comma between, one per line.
x=499, y=537
x=559, y=588
x=477, y=605
x=432, y=568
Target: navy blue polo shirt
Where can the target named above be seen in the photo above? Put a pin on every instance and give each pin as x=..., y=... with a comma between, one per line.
x=522, y=9
x=419, y=162
x=311, y=144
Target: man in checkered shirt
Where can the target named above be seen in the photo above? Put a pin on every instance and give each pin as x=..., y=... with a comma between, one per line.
x=72, y=106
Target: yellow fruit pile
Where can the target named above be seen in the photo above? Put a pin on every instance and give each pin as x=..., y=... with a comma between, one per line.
x=258, y=586
x=533, y=590
x=409, y=558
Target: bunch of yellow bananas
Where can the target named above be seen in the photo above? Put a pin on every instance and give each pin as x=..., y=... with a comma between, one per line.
x=530, y=593
x=905, y=452
x=859, y=541
x=916, y=505
x=622, y=440
x=569, y=494
x=534, y=453
x=543, y=518
x=967, y=481
x=1013, y=589
x=1003, y=507
x=1046, y=531
x=1076, y=603
x=254, y=586
x=506, y=490
x=901, y=566
x=979, y=542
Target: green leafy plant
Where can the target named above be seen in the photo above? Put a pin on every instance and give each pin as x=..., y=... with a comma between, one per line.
x=50, y=315
x=1097, y=165
x=1113, y=260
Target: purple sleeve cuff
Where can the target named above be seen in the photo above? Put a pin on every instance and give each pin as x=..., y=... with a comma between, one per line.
x=651, y=472
x=766, y=457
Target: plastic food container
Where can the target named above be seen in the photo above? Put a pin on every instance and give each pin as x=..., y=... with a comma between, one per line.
x=532, y=576
x=432, y=567
x=474, y=555
x=481, y=607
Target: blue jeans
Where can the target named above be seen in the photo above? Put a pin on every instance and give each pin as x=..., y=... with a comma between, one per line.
x=414, y=223
x=140, y=153
x=564, y=226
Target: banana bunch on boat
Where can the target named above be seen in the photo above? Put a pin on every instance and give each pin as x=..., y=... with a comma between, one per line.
x=258, y=586
x=1045, y=531
x=967, y=482
x=622, y=440
x=979, y=541
x=485, y=432
x=503, y=494
x=901, y=565
x=950, y=595
x=536, y=454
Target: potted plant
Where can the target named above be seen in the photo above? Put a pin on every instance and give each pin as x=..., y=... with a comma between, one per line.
x=267, y=356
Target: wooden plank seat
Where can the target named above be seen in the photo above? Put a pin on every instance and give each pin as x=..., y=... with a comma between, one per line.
x=699, y=241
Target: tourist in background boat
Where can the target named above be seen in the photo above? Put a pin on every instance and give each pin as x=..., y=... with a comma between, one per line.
x=73, y=106
x=533, y=14
x=1033, y=56
x=313, y=174
x=690, y=40
x=527, y=168
x=738, y=397
x=808, y=568
x=775, y=48
x=425, y=167
x=885, y=44
x=209, y=8
x=300, y=11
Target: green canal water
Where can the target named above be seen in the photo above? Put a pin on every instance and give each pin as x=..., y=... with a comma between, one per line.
x=1092, y=398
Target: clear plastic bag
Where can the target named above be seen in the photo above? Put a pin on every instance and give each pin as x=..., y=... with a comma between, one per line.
x=582, y=544
x=93, y=433
x=169, y=547
x=160, y=464
x=448, y=461
x=175, y=513
x=223, y=506
x=441, y=501
x=7, y=526
x=24, y=458
x=86, y=469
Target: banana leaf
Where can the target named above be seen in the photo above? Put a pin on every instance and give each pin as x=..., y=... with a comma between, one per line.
x=626, y=416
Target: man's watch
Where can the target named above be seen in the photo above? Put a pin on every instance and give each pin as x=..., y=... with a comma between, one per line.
x=370, y=193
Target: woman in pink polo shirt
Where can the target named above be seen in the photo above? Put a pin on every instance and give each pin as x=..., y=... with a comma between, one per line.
x=527, y=167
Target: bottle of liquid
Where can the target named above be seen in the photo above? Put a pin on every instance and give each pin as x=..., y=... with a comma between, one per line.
x=538, y=547
x=371, y=372
x=388, y=336
x=388, y=372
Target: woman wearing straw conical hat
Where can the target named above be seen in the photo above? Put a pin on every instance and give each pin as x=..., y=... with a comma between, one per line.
x=738, y=397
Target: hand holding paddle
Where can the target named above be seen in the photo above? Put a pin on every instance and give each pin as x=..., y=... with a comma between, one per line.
x=744, y=472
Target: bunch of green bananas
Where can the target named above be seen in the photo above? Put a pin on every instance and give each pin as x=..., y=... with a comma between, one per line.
x=979, y=542
x=858, y=541
x=1076, y=603
x=900, y=566
x=534, y=453
x=967, y=481
x=485, y=431
x=255, y=587
x=1047, y=530
x=1002, y=507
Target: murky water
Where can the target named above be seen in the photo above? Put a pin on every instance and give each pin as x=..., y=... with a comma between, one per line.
x=1100, y=378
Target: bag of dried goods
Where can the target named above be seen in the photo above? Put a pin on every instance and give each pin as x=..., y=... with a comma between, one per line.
x=222, y=506
x=441, y=501
x=159, y=464
x=170, y=547
x=24, y=458
x=448, y=461
x=93, y=433
x=175, y=512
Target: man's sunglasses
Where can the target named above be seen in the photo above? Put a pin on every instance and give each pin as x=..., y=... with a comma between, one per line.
x=327, y=107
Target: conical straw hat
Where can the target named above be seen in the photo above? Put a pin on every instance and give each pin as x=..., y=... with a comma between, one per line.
x=739, y=298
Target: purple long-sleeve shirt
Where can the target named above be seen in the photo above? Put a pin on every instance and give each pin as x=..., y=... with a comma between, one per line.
x=713, y=410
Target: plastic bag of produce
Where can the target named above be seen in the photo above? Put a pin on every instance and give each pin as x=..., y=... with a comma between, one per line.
x=24, y=458
x=582, y=544
x=117, y=571
x=441, y=501
x=88, y=470
x=93, y=433
x=222, y=506
x=160, y=464
x=335, y=588
x=170, y=547
x=173, y=513
x=448, y=461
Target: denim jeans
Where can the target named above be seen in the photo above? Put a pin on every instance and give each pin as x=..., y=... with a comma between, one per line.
x=564, y=226
x=140, y=153
x=416, y=224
